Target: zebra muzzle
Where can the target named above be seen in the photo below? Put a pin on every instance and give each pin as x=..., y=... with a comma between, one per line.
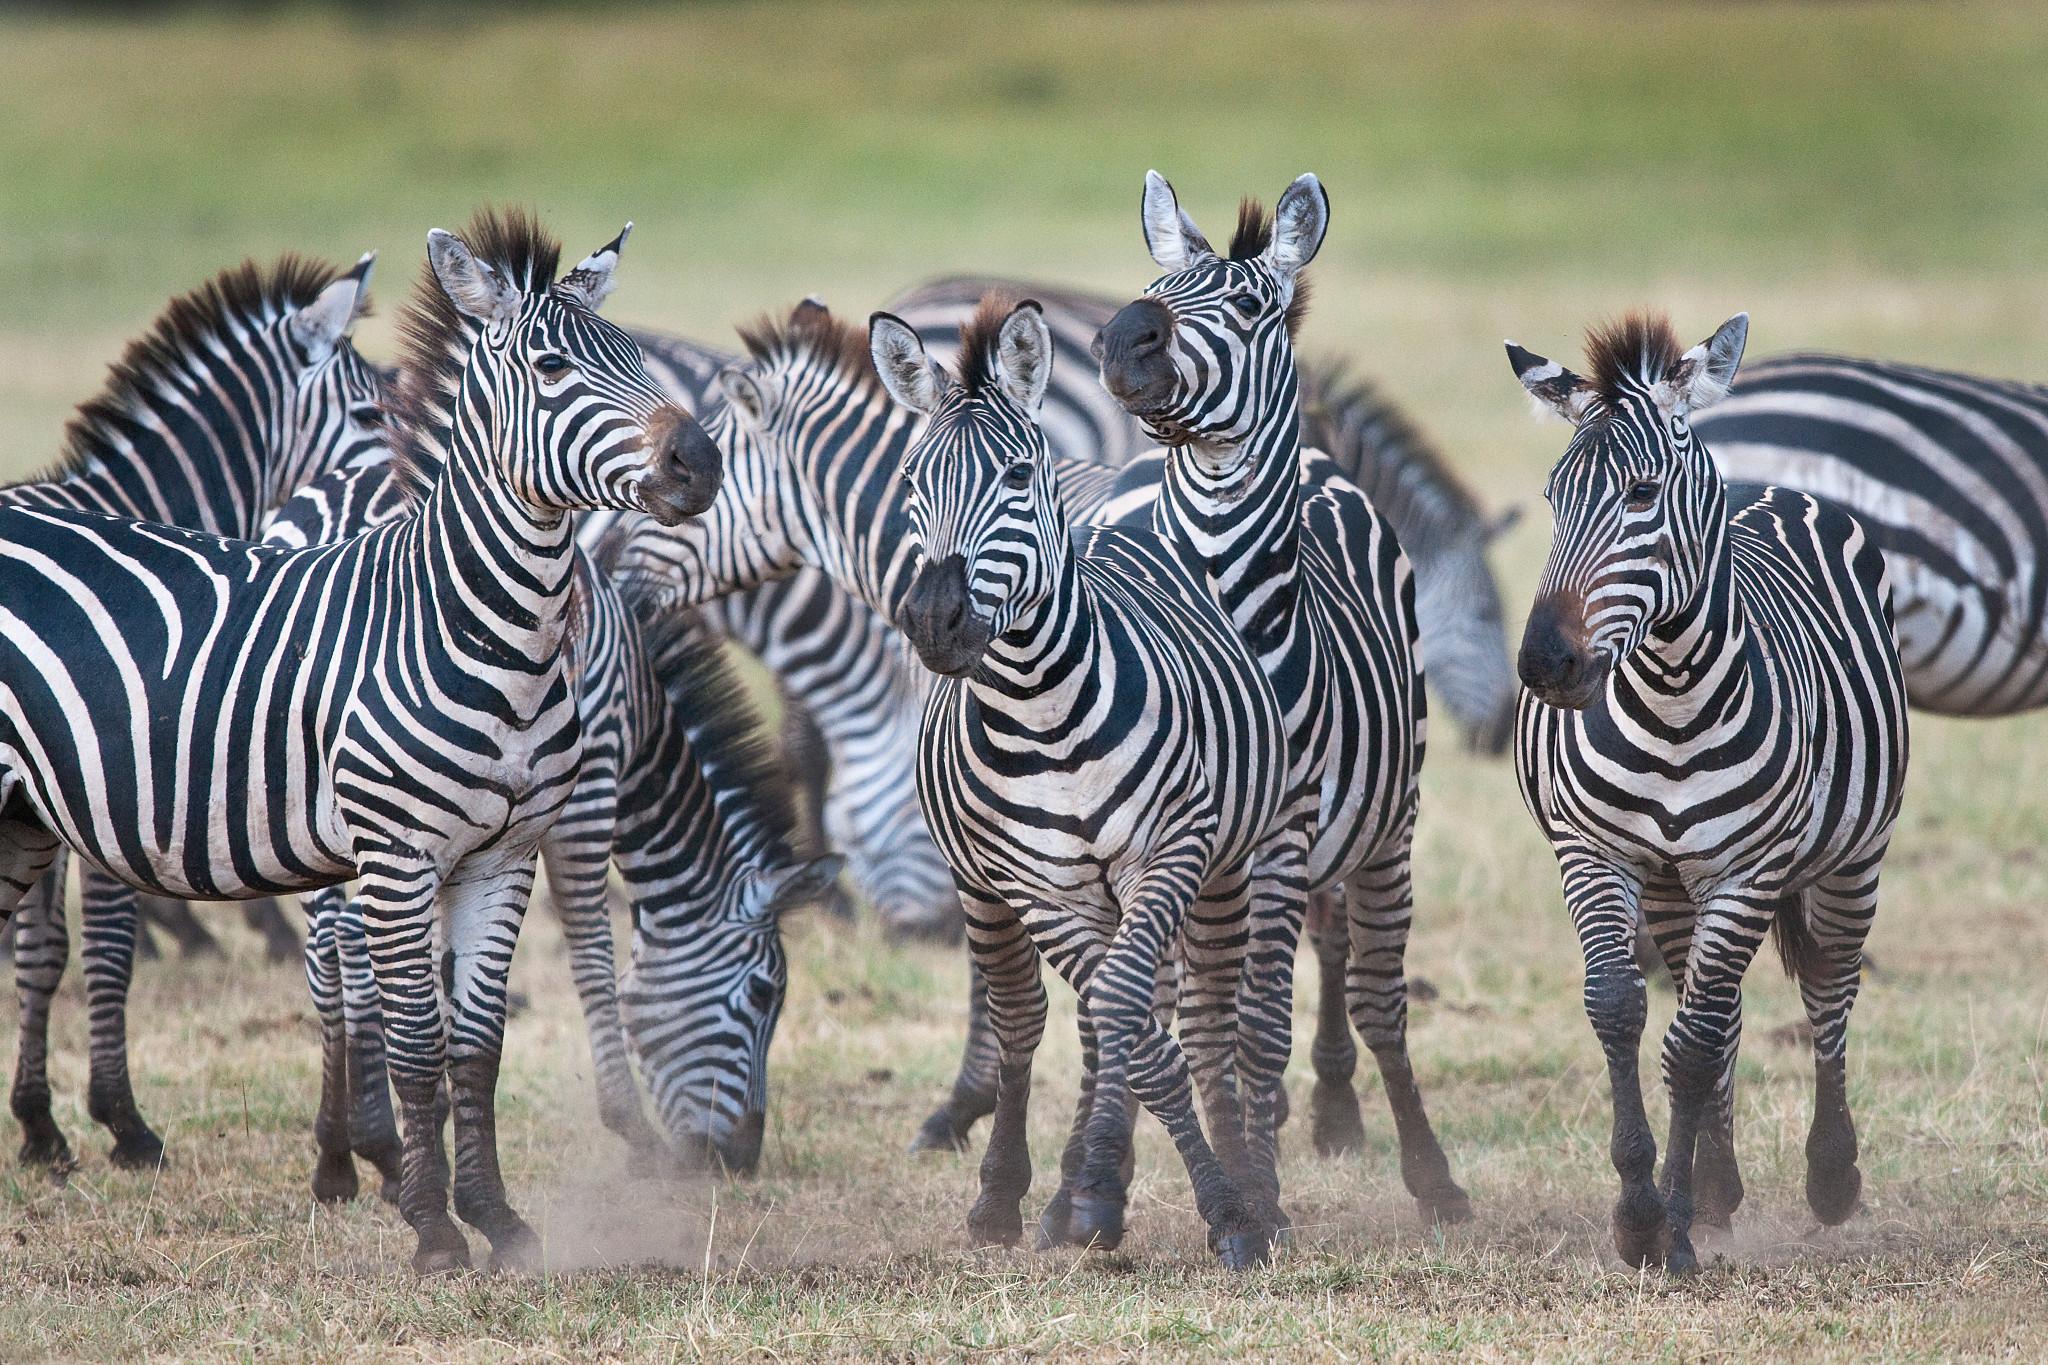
x=1137, y=362
x=1555, y=663
x=684, y=468
x=939, y=619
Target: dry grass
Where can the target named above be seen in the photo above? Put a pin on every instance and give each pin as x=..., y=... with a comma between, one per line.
x=1859, y=176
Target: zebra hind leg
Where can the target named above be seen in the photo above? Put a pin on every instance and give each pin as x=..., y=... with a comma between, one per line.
x=1380, y=901
x=975, y=1085
x=1016, y=1013
x=334, y=1169
x=1830, y=969
x=108, y=918
x=1335, y=1123
x=372, y=1125
x=42, y=950
x=1700, y=1047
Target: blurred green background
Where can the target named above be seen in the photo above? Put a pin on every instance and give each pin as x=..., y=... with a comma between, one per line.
x=1867, y=177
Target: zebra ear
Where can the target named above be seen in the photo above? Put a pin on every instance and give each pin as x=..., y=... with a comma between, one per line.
x=1702, y=376
x=744, y=392
x=474, y=286
x=321, y=324
x=906, y=371
x=1300, y=221
x=1024, y=356
x=1551, y=384
x=1170, y=235
x=591, y=282
x=795, y=884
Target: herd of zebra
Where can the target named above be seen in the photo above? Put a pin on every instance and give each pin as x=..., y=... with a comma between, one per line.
x=1100, y=629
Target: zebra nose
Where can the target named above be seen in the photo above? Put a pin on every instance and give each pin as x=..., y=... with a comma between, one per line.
x=938, y=616
x=740, y=1154
x=684, y=467
x=1552, y=663
x=1131, y=348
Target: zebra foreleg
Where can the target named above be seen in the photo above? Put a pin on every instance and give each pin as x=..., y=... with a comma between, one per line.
x=1214, y=940
x=334, y=1168
x=395, y=905
x=975, y=1085
x=1602, y=901
x=1667, y=924
x=1335, y=1123
x=578, y=857
x=1380, y=905
x=484, y=911
x=1016, y=1012
x=108, y=919
x=42, y=949
x=1055, y=1222
x=1701, y=1044
x=1839, y=915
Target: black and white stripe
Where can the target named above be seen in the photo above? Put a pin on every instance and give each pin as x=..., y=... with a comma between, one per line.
x=213, y=718
x=1714, y=742
x=1949, y=474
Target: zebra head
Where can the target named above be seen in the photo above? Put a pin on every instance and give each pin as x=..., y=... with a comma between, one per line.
x=983, y=506
x=1641, y=511
x=573, y=416
x=333, y=418
x=1197, y=360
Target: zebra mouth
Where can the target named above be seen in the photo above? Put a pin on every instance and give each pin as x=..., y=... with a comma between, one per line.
x=1577, y=693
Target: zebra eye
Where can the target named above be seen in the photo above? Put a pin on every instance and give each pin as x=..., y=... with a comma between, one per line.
x=552, y=365
x=1018, y=475
x=367, y=415
x=1246, y=302
x=1642, y=493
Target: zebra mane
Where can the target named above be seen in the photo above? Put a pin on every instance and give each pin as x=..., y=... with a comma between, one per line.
x=978, y=338
x=754, y=788
x=1387, y=456
x=1634, y=349
x=241, y=298
x=1254, y=234
x=812, y=333
x=435, y=341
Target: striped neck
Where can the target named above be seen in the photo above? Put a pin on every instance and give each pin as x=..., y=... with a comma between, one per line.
x=1239, y=508
x=1692, y=671
x=1040, y=671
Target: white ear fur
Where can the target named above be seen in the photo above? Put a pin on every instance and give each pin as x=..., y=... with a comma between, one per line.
x=1554, y=388
x=321, y=324
x=1702, y=376
x=592, y=281
x=1024, y=356
x=475, y=287
x=1170, y=235
x=899, y=358
x=1300, y=221
x=744, y=392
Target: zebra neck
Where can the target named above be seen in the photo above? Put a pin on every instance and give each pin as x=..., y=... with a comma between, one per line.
x=857, y=510
x=1239, y=508
x=499, y=572
x=1693, y=671
x=1038, y=672
x=186, y=453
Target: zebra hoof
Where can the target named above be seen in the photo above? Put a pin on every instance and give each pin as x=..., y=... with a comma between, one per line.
x=517, y=1249
x=1096, y=1222
x=142, y=1151
x=995, y=1226
x=1834, y=1194
x=334, y=1178
x=1681, y=1262
x=1641, y=1233
x=939, y=1133
x=1444, y=1208
x=46, y=1148
x=1243, y=1250
x=1334, y=1122
x=442, y=1251
x=1055, y=1223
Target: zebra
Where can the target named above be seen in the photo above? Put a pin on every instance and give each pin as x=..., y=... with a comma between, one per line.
x=1949, y=475
x=1441, y=525
x=1102, y=764
x=1713, y=739
x=664, y=749
x=1317, y=585
x=213, y=718
x=239, y=391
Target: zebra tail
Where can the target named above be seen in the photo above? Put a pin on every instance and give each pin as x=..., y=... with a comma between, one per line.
x=1796, y=946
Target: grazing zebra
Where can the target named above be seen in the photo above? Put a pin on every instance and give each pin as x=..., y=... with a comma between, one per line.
x=218, y=719
x=1318, y=587
x=1441, y=526
x=238, y=392
x=663, y=752
x=1102, y=765
x=1714, y=741
x=1949, y=475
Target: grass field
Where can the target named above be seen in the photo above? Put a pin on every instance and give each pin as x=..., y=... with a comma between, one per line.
x=1866, y=177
